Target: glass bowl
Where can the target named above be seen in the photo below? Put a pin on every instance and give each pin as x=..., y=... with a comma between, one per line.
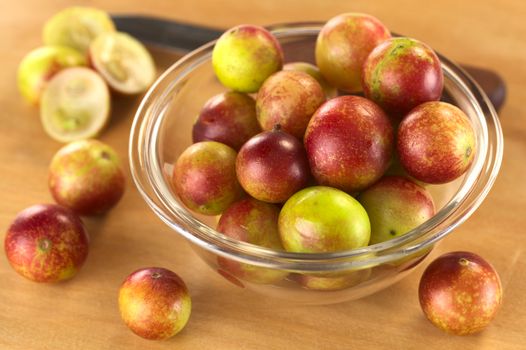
x=162, y=130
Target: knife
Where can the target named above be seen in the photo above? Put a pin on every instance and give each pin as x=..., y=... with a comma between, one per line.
x=185, y=37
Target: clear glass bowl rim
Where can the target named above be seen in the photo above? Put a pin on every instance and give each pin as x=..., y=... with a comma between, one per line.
x=144, y=160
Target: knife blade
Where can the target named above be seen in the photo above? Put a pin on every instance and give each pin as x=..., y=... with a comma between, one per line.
x=185, y=37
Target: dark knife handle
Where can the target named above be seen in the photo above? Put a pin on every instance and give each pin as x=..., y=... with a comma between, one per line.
x=187, y=37
x=491, y=82
x=166, y=33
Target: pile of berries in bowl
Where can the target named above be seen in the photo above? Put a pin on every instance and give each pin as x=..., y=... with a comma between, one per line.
x=315, y=162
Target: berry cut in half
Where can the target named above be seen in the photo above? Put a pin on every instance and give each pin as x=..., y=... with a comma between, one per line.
x=75, y=105
x=123, y=62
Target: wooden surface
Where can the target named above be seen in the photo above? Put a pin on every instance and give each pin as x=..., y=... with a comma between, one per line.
x=83, y=314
